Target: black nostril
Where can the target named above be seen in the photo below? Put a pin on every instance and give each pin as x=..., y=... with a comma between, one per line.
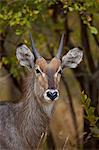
x=49, y=94
x=55, y=94
x=52, y=95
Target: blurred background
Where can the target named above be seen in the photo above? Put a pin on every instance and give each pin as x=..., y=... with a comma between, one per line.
x=75, y=123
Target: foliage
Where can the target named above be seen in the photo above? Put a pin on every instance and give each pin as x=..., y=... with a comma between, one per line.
x=90, y=114
x=84, y=9
x=24, y=13
x=13, y=64
x=37, y=16
x=20, y=14
x=46, y=20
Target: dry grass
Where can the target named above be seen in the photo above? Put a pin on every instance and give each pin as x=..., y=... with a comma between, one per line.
x=62, y=125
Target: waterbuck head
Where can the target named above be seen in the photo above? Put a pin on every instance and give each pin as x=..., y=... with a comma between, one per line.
x=47, y=74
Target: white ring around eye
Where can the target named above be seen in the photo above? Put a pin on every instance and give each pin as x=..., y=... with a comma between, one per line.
x=58, y=71
x=38, y=68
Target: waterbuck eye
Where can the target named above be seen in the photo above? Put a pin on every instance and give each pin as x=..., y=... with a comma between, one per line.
x=60, y=71
x=38, y=71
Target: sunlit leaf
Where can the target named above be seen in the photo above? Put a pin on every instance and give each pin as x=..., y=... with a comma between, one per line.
x=93, y=30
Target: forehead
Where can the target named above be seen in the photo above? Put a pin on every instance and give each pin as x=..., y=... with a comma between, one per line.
x=52, y=65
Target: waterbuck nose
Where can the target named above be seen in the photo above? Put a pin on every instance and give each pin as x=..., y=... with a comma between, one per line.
x=52, y=94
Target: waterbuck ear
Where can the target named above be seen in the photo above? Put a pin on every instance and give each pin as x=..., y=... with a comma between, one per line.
x=72, y=58
x=25, y=56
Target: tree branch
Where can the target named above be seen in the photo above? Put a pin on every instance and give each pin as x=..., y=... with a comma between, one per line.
x=86, y=46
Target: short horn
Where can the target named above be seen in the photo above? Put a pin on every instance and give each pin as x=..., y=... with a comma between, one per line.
x=34, y=50
x=60, y=47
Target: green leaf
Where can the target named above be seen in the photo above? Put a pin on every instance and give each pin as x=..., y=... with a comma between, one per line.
x=91, y=110
x=18, y=32
x=5, y=60
x=70, y=8
x=76, y=6
x=93, y=30
x=88, y=101
x=95, y=131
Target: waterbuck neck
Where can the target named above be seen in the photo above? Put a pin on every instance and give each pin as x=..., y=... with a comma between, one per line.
x=34, y=118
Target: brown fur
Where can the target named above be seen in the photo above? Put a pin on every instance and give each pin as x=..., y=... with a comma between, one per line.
x=49, y=80
x=22, y=124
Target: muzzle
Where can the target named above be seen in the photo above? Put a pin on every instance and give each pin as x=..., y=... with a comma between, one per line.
x=51, y=94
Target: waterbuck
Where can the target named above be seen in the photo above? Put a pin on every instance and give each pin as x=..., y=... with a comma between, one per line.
x=23, y=123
